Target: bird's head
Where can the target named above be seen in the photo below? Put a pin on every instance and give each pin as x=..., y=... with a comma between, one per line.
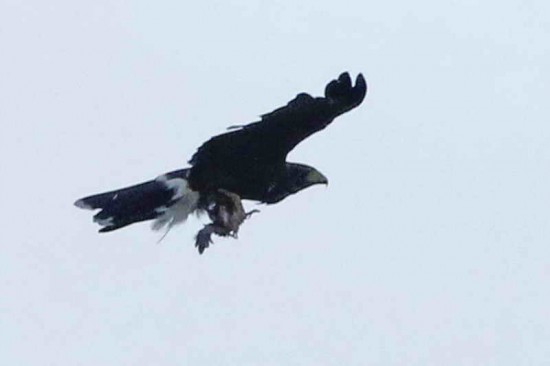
x=297, y=178
x=308, y=177
x=300, y=176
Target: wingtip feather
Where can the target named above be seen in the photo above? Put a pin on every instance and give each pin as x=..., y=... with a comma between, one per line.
x=345, y=79
x=81, y=203
x=360, y=87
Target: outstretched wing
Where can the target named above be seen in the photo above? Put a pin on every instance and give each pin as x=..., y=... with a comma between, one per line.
x=278, y=132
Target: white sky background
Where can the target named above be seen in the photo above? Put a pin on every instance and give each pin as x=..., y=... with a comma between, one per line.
x=431, y=245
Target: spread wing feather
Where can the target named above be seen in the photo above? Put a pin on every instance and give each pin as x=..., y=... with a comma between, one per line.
x=278, y=132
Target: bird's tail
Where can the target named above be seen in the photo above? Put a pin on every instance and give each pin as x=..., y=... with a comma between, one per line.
x=167, y=199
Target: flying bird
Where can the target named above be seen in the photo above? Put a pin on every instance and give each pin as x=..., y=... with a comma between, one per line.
x=246, y=163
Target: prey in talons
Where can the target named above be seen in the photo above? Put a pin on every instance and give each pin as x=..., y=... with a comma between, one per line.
x=227, y=213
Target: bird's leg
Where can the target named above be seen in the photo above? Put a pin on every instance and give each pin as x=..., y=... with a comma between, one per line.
x=227, y=214
x=204, y=236
x=231, y=211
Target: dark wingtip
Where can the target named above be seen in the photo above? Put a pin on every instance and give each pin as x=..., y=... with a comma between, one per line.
x=344, y=89
x=345, y=79
x=360, y=87
x=339, y=87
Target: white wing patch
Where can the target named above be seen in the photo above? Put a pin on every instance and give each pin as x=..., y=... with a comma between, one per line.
x=186, y=201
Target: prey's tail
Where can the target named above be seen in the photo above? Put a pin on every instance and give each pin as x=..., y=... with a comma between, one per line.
x=168, y=200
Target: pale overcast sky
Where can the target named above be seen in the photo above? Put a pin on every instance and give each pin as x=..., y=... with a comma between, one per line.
x=430, y=246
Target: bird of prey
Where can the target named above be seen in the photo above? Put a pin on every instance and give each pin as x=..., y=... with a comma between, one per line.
x=246, y=163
